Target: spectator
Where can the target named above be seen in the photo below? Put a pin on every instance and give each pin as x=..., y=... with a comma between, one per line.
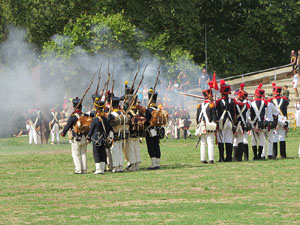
x=140, y=95
x=170, y=86
x=145, y=95
x=286, y=92
x=293, y=59
x=203, y=80
x=298, y=60
x=184, y=83
x=296, y=81
x=297, y=115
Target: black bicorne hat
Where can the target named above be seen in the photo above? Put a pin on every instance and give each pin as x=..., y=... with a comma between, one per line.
x=75, y=101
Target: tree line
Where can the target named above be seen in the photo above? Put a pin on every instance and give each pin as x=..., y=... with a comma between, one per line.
x=242, y=35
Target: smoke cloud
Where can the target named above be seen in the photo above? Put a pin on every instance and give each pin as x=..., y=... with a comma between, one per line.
x=29, y=80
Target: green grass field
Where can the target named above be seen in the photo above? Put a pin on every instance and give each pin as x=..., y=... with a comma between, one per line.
x=37, y=186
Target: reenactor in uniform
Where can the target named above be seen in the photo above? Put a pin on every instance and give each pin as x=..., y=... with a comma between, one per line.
x=34, y=129
x=185, y=122
x=99, y=135
x=282, y=104
x=152, y=138
x=118, y=133
x=136, y=130
x=242, y=126
x=271, y=119
x=78, y=142
x=54, y=126
x=205, y=118
x=258, y=109
x=225, y=116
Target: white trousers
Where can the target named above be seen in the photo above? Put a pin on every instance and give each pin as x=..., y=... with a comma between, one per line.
x=55, y=131
x=279, y=134
x=269, y=142
x=109, y=158
x=225, y=136
x=79, y=155
x=117, y=153
x=258, y=138
x=33, y=136
x=209, y=140
x=133, y=150
x=240, y=138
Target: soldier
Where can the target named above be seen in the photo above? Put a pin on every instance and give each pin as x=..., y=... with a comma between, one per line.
x=225, y=115
x=78, y=142
x=240, y=141
x=54, y=126
x=117, y=122
x=34, y=129
x=205, y=118
x=94, y=111
x=258, y=109
x=99, y=135
x=136, y=130
x=152, y=138
x=271, y=118
x=185, y=122
x=281, y=104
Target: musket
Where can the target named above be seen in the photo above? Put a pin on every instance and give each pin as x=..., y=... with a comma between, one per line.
x=108, y=79
x=86, y=91
x=191, y=95
x=132, y=86
x=112, y=91
x=153, y=91
x=99, y=78
x=135, y=93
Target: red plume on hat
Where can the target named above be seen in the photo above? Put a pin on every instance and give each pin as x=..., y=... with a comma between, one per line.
x=222, y=82
x=242, y=86
x=259, y=92
x=273, y=84
x=210, y=84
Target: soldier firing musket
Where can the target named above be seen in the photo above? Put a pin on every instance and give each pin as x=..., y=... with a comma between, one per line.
x=79, y=123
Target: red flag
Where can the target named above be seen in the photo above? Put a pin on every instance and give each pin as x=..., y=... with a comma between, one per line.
x=215, y=84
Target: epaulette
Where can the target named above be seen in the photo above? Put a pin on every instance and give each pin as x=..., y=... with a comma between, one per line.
x=284, y=98
x=198, y=106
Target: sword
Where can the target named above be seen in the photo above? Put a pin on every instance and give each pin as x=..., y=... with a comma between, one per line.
x=199, y=139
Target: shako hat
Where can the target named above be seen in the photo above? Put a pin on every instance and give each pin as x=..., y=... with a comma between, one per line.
x=259, y=92
x=208, y=92
x=150, y=93
x=225, y=88
x=115, y=102
x=75, y=101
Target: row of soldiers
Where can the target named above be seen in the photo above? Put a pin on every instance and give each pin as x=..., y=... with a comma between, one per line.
x=230, y=120
x=115, y=132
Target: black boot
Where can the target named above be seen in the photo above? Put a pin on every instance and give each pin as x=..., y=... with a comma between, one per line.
x=235, y=153
x=282, y=149
x=185, y=134
x=254, y=149
x=260, y=150
x=246, y=152
x=240, y=152
x=221, y=152
x=228, y=147
x=275, y=150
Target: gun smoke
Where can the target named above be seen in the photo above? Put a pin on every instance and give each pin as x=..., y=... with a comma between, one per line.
x=30, y=80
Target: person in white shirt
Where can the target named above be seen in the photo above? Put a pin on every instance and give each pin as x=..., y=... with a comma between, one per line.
x=271, y=113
